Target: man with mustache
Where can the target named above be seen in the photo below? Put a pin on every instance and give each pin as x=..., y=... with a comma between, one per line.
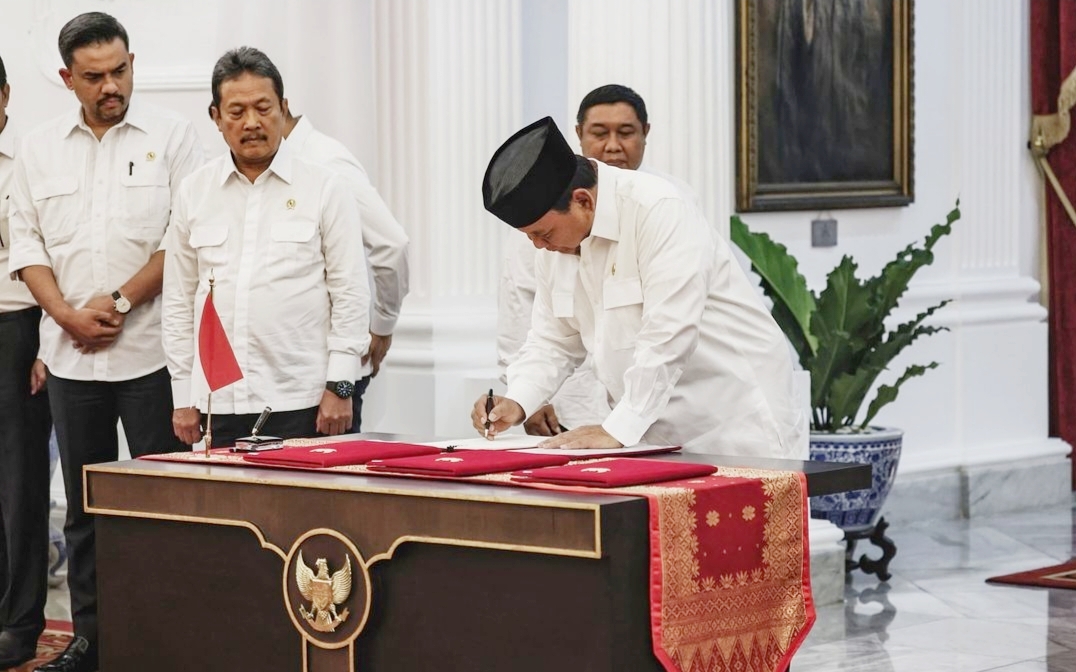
x=92, y=198
x=282, y=239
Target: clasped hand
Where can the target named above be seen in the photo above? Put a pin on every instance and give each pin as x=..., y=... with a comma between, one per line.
x=95, y=326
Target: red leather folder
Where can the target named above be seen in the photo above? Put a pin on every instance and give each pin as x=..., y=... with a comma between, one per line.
x=466, y=463
x=338, y=454
x=615, y=472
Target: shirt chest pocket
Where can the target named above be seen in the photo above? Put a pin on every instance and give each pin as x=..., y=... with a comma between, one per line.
x=55, y=199
x=622, y=299
x=147, y=201
x=294, y=245
x=211, y=244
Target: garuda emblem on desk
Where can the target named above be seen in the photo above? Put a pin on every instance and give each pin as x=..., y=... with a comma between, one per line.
x=324, y=593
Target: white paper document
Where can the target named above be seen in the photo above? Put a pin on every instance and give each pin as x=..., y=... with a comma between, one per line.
x=529, y=444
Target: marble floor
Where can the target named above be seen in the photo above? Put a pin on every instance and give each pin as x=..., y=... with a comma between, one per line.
x=936, y=613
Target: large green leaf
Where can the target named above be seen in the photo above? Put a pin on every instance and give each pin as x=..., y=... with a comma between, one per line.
x=888, y=393
x=888, y=286
x=782, y=282
x=848, y=392
x=843, y=309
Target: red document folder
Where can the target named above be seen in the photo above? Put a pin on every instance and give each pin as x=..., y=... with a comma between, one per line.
x=466, y=463
x=615, y=472
x=338, y=454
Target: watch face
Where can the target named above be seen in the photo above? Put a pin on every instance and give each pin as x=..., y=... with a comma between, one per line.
x=123, y=305
x=344, y=389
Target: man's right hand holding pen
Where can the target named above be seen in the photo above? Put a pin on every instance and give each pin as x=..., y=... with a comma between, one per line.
x=505, y=414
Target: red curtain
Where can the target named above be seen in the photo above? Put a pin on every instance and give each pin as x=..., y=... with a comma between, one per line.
x=1053, y=58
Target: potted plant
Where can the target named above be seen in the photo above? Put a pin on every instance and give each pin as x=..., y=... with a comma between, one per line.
x=841, y=339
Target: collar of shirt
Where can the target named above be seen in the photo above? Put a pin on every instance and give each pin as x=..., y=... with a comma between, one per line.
x=281, y=166
x=7, y=140
x=134, y=117
x=606, y=224
x=300, y=134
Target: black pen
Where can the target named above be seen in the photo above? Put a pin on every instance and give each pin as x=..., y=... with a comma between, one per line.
x=489, y=407
x=130, y=168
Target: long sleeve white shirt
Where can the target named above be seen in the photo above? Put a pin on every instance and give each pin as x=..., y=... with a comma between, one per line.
x=14, y=295
x=581, y=400
x=289, y=283
x=678, y=336
x=383, y=237
x=94, y=211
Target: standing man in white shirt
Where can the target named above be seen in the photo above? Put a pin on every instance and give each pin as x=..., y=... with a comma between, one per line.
x=93, y=192
x=25, y=425
x=383, y=237
x=282, y=239
x=633, y=275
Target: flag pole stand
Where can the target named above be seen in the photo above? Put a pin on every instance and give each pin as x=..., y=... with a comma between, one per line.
x=208, y=423
x=209, y=395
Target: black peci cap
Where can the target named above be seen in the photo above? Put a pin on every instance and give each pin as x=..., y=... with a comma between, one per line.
x=528, y=173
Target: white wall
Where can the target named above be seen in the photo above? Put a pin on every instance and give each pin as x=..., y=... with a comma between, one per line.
x=424, y=90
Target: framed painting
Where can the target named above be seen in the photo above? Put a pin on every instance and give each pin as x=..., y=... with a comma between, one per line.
x=824, y=104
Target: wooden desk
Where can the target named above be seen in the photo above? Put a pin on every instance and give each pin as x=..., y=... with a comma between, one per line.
x=196, y=570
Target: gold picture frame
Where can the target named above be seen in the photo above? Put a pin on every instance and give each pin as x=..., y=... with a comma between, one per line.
x=824, y=104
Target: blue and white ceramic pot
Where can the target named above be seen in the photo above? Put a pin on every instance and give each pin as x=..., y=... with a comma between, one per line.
x=858, y=510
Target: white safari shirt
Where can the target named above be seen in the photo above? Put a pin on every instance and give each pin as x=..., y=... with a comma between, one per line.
x=383, y=237
x=677, y=335
x=13, y=294
x=289, y=283
x=94, y=212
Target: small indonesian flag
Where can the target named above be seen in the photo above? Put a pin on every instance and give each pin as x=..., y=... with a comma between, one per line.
x=214, y=350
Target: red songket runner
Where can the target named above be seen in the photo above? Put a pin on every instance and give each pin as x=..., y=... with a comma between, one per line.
x=214, y=350
x=730, y=587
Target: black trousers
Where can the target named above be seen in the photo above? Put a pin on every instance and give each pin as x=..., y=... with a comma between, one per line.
x=356, y=404
x=25, y=425
x=85, y=413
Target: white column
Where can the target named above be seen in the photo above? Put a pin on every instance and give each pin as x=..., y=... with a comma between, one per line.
x=448, y=92
x=994, y=157
x=679, y=57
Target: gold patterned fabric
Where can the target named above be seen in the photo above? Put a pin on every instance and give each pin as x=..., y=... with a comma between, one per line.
x=733, y=592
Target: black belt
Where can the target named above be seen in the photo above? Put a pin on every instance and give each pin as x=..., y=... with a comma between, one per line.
x=33, y=312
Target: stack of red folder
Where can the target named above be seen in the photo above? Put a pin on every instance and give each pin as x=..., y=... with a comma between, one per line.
x=466, y=463
x=617, y=472
x=338, y=454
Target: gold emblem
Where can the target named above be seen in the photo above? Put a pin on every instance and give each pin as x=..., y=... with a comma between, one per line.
x=290, y=204
x=595, y=470
x=324, y=593
x=151, y=156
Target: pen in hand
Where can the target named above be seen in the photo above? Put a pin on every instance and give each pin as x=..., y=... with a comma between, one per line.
x=489, y=408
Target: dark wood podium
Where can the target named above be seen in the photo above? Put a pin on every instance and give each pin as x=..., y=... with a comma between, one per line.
x=197, y=570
